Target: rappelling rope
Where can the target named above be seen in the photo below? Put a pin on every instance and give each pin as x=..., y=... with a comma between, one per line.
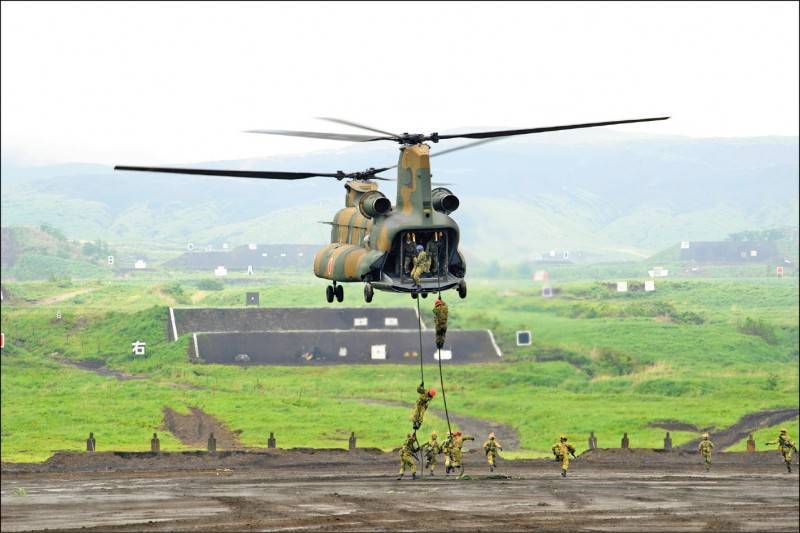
x=441, y=377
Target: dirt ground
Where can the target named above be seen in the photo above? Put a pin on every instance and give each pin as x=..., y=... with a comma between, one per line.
x=337, y=490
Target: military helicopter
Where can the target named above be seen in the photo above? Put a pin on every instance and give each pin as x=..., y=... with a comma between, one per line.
x=373, y=241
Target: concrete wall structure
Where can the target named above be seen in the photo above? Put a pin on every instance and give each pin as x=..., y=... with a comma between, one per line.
x=309, y=348
x=231, y=319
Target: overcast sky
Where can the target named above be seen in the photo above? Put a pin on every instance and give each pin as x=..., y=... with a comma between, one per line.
x=170, y=83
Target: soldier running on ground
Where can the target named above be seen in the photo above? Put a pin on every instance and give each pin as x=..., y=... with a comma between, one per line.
x=492, y=448
x=407, y=456
x=705, y=448
x=440, y=318
x=431, y=449
x=785, y=446
x=422, y=264
x=425, y=397
x=447, y=449
x=562, y=450
x=457, y=453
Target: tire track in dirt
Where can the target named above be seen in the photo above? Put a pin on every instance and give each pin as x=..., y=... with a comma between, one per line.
x=62, y=297
x=194, y=428
x=476, y=427
x=746, y=425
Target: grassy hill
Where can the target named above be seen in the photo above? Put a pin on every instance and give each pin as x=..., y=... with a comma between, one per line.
x=41, y=252
x=613, y=197
x=703, y=352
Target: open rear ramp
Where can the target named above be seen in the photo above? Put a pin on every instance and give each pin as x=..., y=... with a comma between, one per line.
x=305, y=348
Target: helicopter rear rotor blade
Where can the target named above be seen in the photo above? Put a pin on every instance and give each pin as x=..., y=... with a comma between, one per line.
x=508, y=133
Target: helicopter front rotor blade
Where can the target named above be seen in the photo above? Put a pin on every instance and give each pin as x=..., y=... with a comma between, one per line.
x=323, y=135
x=357, y=125
x=258, y=174
x=465, y=146
x=507, y=133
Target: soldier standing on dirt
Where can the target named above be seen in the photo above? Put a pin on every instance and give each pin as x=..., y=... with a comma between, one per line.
x=562, y=450
x=432, y=448
x=422, y=264
x=705, y=448
x=458, y=442
x=440, y=319
x=491, y=447
x=425, y=397
x=786, y=446
x=407, y=456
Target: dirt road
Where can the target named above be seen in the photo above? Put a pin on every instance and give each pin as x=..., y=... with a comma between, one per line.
x=324, y=491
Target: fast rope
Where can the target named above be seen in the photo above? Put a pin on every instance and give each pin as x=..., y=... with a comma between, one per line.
x=422, y=383
x=441, y=377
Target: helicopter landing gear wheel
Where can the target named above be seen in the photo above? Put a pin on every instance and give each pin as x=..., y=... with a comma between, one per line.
x=339, y=291
x=424, y=294
x=329, y=293
x=369, y=292
x=462, y=289
x=414, y=295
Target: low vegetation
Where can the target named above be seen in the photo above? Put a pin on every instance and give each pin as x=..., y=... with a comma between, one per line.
x=614, y=372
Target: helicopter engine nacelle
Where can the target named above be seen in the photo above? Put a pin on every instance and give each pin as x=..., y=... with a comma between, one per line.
x=444, y=200
x=374, y=203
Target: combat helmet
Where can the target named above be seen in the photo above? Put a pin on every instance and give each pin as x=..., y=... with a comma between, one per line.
x=784, y=430
x=491, y=434
x=705, y=436
x=563, y=438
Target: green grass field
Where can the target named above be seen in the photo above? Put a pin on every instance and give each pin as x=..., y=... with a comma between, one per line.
x=704, y=352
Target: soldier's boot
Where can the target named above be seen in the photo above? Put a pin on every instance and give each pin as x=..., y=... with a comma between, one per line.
x=399, y=477
x=461, y=472
x=789, y=467
x=563, y=473
x=413, y=475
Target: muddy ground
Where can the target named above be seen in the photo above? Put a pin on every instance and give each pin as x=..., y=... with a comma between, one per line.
x=336, y=490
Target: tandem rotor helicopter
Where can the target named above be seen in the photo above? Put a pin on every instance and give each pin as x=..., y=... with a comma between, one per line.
x=372, y=241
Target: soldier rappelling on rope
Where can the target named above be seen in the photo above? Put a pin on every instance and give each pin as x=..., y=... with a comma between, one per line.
x=440, y=319
x=424, y=398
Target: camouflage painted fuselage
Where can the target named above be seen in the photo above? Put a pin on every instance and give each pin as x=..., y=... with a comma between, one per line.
x=368, y=249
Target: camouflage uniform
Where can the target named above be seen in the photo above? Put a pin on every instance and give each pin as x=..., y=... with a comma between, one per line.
x=425, y=397
x=705, y=448
x=440, y=318
x=447, y=449
x=562, y=450
x=409, y=251
x=458, y=442
x=786, y=446
x=422, y=264
x=441, y=253
x=432, y=449
x=432, y=249
x=491, y=447
x=407, y=456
